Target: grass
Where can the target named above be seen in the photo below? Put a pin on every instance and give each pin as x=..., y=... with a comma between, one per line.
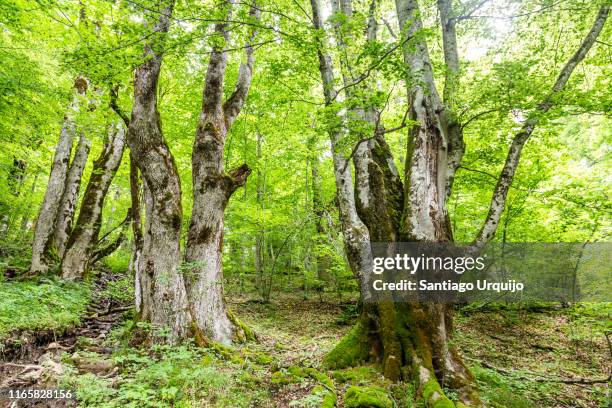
x=43, y=304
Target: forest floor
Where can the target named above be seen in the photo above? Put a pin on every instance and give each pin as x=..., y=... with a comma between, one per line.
x=521, y=358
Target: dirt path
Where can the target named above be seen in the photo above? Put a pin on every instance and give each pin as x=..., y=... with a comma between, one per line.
x=32, y=360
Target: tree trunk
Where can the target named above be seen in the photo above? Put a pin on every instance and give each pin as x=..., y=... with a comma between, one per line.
x=84, y=237
x=212, y=188
x=354, y=231
x=261, y=233
x=408, y=339
x=136, y=221
x=324, y=260
x=163, y=295
x=57, y=180
x=65, y=216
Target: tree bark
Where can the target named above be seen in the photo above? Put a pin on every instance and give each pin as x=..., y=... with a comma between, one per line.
x=260, y=237
x=456, y=144
x=136, y=221
x=57, y=180
x=212, y=188
x=84, y=237
x=398, y=335
x=164, y=298
x=356, y=236
x=498, y=200
x=65, y=216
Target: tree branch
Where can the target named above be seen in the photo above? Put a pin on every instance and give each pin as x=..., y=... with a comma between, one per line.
x=477, y=116
x=232, y=107
x=114, y=94
x=498, y=201
x=237, y=178
x=212, y=98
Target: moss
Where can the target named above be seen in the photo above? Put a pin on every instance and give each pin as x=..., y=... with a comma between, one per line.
x=227, y=353
x=329, y=397
x=351, y=351
x=243, y=333
x=367, y=397
x=259, y=357
x=362, y=374
x=283, y=377
x=320, y=377
x=434, y=396
x=297, y=371
x=249, y=379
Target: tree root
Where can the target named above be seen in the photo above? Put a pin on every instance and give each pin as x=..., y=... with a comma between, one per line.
x=541, y=377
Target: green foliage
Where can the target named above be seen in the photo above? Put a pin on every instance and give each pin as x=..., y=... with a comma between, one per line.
x=164, y=376
x=44, y=304
x=121, y=290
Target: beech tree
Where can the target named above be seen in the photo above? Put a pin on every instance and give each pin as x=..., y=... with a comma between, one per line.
x=190, y=304
x=212, y=186
x=414, y=335
x=83, y=239
x=48, y=213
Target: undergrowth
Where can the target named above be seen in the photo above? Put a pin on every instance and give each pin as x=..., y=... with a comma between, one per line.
x=41, y=304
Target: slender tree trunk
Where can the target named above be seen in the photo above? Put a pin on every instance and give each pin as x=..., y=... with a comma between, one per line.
x=163, y=294
x=136, y=221
x=260, y=237
x=324, y=260
x=57, y=180
x=84, y=237
x=498, y=200
x=212, y=188
x=456, y=144
x=67, y=208
x=356, y=236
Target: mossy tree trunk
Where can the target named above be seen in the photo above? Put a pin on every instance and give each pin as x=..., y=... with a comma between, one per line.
x=412, y=340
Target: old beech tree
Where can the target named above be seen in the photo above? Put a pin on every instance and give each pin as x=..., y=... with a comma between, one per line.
x=188, y=302
x=410, y=339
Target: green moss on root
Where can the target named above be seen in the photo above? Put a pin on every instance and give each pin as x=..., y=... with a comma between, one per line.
x=357, y=375
x=434, y=396
x=320, y=377
x=352, y=350
x=329, y=397
x=367, y=397
x=243, y=333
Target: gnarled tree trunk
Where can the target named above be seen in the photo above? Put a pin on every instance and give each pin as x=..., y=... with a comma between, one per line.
x=416, y=335
x=84, y=236
x=57, y=181
x=212, y=188
x=163, y=294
